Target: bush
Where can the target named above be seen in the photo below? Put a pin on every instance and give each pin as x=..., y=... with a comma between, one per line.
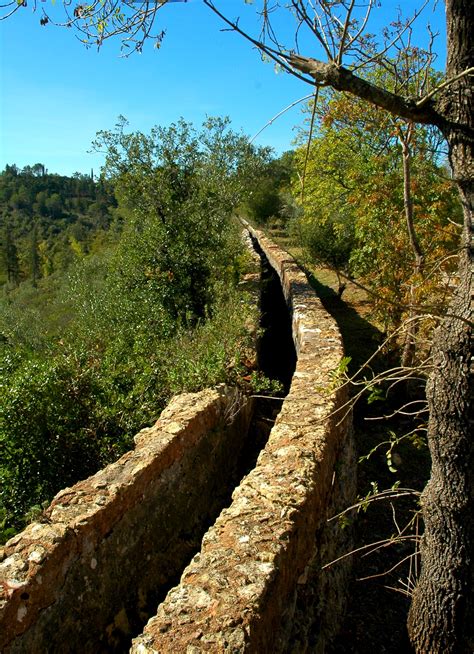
x=107, y=344
x=47, y=434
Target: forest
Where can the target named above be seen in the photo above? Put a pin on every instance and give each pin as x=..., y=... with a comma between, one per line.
x=48, y=221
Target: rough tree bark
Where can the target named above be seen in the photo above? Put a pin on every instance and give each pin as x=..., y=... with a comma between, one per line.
x=441, y=618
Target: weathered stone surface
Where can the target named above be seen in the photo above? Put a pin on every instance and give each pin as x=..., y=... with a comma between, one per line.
x=243, y=592
x=85, y=577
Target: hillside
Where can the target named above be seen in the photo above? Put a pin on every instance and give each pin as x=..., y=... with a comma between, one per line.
x=47, y=221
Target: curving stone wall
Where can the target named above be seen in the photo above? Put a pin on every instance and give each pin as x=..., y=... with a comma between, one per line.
x=257, y=583
x=107, y=549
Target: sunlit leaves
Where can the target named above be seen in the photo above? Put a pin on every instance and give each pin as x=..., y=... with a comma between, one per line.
x=354, y=217
x=156, y=315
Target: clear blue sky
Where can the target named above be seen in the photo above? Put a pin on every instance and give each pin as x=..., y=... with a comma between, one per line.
x=56, y=94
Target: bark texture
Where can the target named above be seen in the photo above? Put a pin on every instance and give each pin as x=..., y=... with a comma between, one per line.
x=441, y=614
x=342, y=79
x=441, y=618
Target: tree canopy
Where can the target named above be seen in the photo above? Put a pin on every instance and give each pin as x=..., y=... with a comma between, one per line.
x=353, y=202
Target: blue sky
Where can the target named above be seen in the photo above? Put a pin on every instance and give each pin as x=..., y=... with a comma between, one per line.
x=56, y=94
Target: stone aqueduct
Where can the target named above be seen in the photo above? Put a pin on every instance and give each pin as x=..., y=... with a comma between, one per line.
x=149, y=530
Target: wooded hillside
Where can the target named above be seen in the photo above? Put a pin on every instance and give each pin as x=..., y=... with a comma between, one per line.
x=47, y=221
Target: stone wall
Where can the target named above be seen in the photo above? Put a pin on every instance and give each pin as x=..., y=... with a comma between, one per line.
x=257, y=584
x=107, y=550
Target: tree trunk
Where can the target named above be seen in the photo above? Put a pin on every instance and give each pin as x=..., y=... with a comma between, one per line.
x=409, y=348
x=441, y=618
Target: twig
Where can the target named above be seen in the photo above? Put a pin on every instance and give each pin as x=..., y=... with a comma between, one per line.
x=449, y=81
x=387, y=572
x=280, y=113
x=310, y=138
x=344, y=33
x=383, y=495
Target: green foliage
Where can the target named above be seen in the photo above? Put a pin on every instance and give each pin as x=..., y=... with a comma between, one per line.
x=92, y=355
x=327, y=227
x=177, y=189
x=340, y=374
x=45, y=435
x=329, y=241
x=353, y=218
x=364, y=502
x=374, y=394
x=47, y=220
x=262, y=385
x=391, y=441
x=6, y=531
x=66, y=414
x=268, y=195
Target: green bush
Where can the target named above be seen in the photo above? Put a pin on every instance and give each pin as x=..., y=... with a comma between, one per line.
x=47, y=437
x=63, y=417
x=92, y=356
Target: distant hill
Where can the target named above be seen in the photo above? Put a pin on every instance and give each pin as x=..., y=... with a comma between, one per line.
x=48, y=220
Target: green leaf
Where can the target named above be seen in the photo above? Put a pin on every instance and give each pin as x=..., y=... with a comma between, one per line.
x=375, y=395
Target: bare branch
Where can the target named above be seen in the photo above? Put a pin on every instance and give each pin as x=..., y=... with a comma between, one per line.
x=394, y=567
x=379, y=55
x=277, y=56
x=344, y=33
x=382, y=496
x=310, y=136
x=280, y=113
x=302, y=14
x=427, y=98
x=354, y=38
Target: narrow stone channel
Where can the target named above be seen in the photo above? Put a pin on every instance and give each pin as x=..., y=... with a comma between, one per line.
x=276, y=359
x=90, y=575
x=276, y=356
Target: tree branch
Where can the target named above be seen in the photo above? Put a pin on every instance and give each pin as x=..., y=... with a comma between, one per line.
x=344, y=33
x=426, y=98
x=280, y=113
x=342, y=79
x=279, y=57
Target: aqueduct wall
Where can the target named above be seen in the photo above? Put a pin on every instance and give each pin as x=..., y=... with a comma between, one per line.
x=109, y=548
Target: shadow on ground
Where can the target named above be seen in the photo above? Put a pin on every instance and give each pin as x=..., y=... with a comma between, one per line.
x=361, y=338
x=377, y=608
